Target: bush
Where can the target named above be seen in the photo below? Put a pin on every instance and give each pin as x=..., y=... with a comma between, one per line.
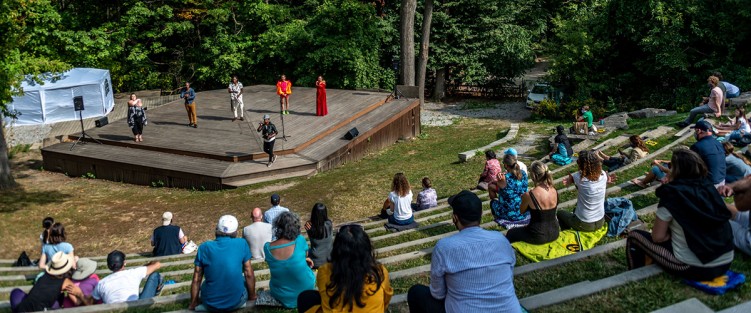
x=567, y=111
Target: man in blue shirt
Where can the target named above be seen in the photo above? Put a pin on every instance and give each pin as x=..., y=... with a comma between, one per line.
x=471, y=271
x=189, y=95
x=711, y=151
x=270, y=215
x=223, y=262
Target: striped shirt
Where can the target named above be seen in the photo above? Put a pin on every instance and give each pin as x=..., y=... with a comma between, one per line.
x=474, y=271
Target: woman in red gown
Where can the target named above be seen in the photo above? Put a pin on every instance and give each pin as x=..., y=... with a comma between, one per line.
x=321, y=109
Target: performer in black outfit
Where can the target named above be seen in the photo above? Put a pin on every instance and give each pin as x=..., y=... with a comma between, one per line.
x=268, y=131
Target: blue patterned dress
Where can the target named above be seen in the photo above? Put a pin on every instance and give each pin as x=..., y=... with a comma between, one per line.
x=506, y=207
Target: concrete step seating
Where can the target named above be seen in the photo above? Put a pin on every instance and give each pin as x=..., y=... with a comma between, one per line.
x=441, y=214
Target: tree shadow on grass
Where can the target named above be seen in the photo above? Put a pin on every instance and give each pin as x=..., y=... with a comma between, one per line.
x=17, y=199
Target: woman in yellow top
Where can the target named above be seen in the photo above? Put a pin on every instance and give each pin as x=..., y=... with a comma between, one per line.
x=353, y=281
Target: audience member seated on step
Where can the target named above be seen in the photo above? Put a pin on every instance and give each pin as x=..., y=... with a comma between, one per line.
x=123, y=285
x=273, y=212
x=471, y=271
x=257, y=234
x=55, y=243
x=84, y=281
x=541, y=202
x=734, y=131
x=739, y=222
x=490, y=172
x=659, y=171
x=321, y=234
x=562, y=151
x=586, y=116
x=506, y=194
x=512, y=151
x=591, y=182
x=224, y=267
x=46, y=292
x=427, y=198
x=289, y=265
x=712, y=104
x=353, y=281
x=691, y=237
x=637, y=150
x=47, y=223
x=711, y=152
x=398, y=206
x=737, y=166
x=740, y=191
x=168, y=239
x=732, y=90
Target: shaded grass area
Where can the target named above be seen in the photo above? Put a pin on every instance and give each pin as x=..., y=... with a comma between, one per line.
x=657, y=292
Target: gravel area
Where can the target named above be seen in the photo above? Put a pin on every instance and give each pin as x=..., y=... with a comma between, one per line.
x=444, y=114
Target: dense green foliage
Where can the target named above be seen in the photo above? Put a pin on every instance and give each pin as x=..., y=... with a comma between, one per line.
x=653, y=52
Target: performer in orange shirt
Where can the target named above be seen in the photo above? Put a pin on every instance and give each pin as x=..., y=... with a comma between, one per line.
x=284, y=89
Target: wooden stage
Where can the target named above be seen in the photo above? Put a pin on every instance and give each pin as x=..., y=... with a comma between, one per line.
x=221, y=153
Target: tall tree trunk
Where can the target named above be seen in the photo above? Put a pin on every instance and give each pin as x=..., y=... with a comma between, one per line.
x=407, y=25
x=6, y=179
x=440, y=85
x=427, y=18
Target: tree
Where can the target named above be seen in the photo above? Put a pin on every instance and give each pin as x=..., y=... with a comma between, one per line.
x=24, y=25
x=407, y=46
x=427, y=18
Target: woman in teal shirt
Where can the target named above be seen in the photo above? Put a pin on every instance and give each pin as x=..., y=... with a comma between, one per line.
x=288, y=263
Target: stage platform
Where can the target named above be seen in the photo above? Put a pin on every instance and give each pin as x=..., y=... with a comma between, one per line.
x=221, y=153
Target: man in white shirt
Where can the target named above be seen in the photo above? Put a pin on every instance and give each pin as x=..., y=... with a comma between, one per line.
x=257, y=234
x=122, y=285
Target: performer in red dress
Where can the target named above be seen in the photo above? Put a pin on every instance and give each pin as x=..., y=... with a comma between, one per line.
x=321, y=109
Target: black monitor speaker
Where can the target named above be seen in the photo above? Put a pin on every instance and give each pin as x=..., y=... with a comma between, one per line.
x=102, y=121
x=352, y=133
x=78, y=103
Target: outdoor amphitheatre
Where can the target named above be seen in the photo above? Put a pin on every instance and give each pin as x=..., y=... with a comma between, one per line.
x=110, y=191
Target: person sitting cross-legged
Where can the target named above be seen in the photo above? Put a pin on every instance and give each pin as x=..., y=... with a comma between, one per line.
x=471, y=271
x=352, y=281
x=506, y=193
x=427, y=198
x=691, y=237
x=562, y=152
x=591, y=183
x=224, y=267
x=123, y=285
x=398, y=206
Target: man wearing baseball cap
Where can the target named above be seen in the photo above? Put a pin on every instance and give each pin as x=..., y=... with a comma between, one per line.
x=711, y=151
x=268, y=132
x=223, y=263
x=168, y=239
x=471, y=271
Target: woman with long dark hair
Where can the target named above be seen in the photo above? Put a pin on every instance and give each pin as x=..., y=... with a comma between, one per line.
x=321, y=235
x=691, y=237
x=353, y=281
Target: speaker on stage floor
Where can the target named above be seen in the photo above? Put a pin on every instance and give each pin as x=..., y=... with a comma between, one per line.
x=102, y=121
x=352, y=133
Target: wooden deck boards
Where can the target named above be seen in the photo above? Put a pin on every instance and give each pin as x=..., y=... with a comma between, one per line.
x=217, y=135
x=225, y=153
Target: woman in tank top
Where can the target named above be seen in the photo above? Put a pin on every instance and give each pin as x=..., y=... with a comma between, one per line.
x=541, y=202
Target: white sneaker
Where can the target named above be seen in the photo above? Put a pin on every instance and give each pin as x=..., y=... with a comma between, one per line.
x=592, y=133
x=273, y=159
x=269, y=164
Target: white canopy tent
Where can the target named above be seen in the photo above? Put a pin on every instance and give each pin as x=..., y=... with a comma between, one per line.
x=52, y=102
